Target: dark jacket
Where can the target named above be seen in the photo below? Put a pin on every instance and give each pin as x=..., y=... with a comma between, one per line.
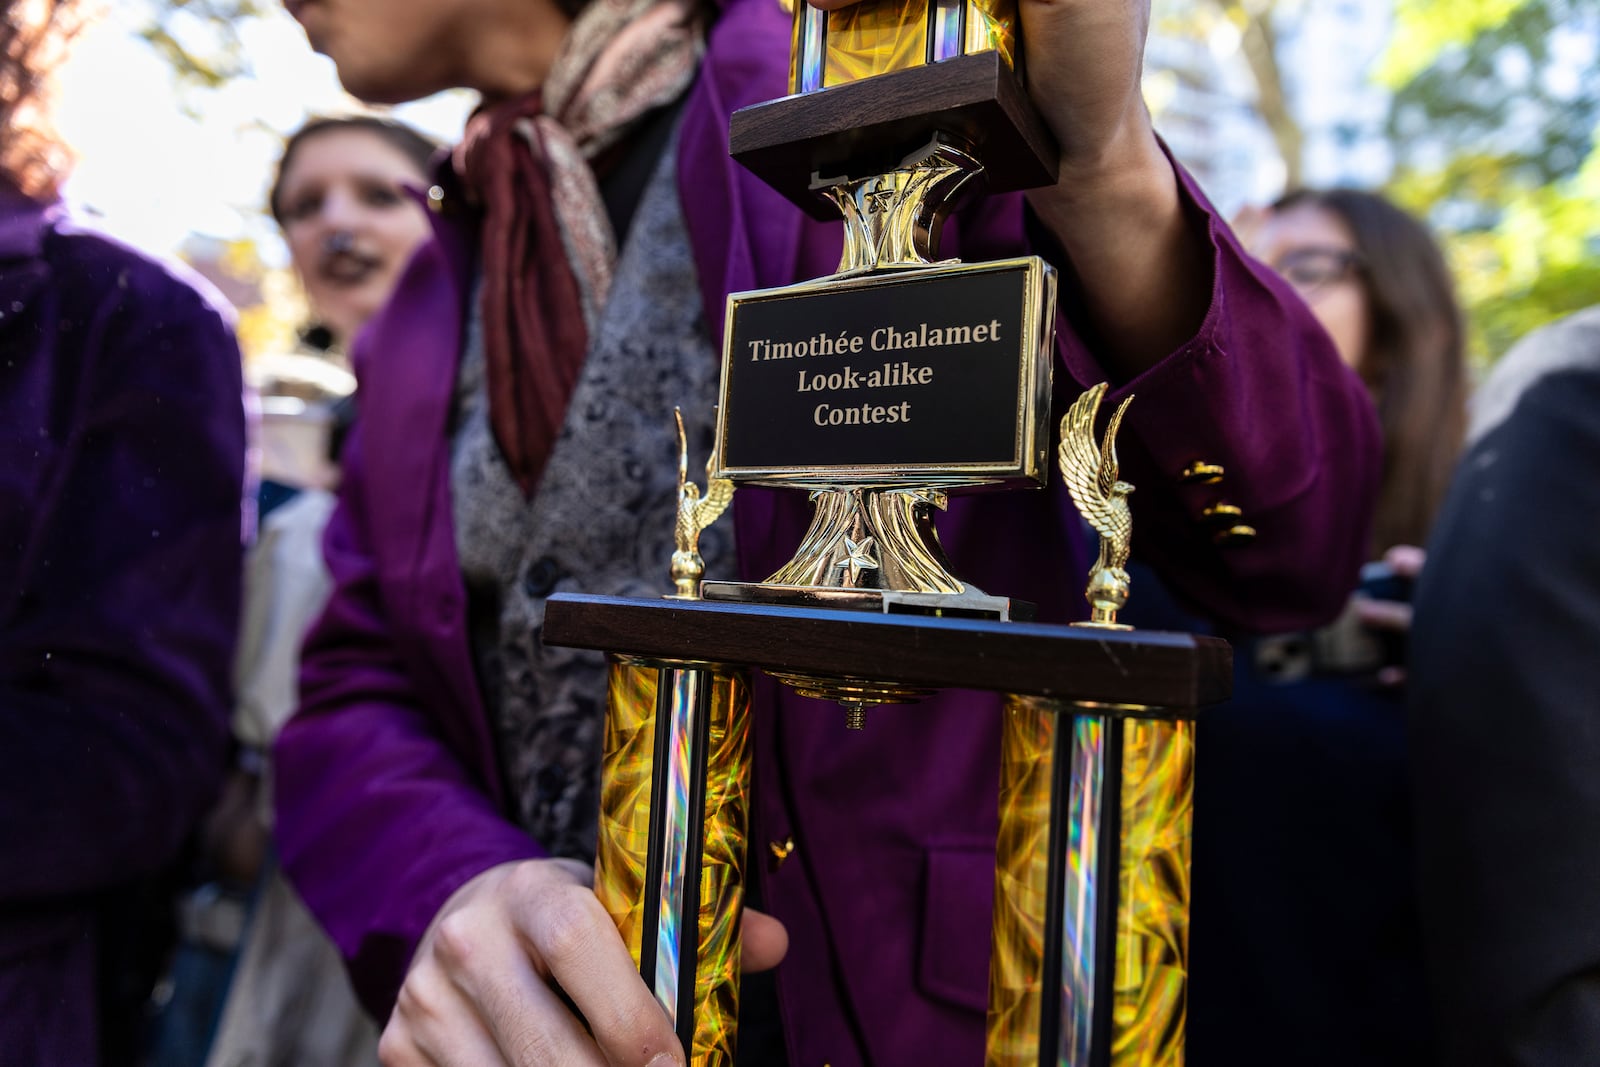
x=1505, y=718
x=122, y=458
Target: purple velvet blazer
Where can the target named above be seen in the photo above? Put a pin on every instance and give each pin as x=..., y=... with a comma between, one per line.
x=389, y=797
x=122, y=457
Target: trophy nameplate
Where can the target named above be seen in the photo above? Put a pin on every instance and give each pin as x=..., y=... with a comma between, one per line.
x=872, y=399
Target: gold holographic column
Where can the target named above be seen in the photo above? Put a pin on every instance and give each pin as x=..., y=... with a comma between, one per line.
x=716, y=980
x=1021, y=882
x=875, y=38
x=992, y=26
x=883, y=36
x=1149, y=986
x=673, y=811
x=1048, y=892
x=625, y=783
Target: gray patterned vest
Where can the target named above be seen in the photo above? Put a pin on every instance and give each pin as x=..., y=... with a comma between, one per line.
x=601, y=520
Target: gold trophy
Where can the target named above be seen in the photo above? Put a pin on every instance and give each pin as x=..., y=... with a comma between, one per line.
x=940, y=373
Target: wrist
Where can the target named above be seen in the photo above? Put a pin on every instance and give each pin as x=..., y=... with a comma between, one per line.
x=1130, y=177
x=1142, y=272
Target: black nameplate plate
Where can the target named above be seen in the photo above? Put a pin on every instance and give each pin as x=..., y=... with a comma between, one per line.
x=942, y=373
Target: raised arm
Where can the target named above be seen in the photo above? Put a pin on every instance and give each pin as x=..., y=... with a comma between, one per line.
x=1230, y=369
x=1116, y=211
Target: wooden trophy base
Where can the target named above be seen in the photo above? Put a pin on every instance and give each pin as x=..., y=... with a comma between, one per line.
x=867, y=127
x=1142, y=672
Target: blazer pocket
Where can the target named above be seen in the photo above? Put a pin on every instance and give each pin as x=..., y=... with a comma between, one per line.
x=957, y=907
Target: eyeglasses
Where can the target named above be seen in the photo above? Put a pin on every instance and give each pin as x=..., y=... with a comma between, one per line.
x=1312, y=269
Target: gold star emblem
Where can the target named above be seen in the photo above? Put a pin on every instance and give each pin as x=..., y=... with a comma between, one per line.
x=858, y=558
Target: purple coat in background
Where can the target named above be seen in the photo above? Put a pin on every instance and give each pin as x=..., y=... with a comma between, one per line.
x=389, y=794
x=122, y=456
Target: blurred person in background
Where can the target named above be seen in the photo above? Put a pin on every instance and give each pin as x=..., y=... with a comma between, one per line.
x=122, y=482
x=345, y=197
x=346, y=194
x=1377, y=281
x=1305, y=940
x=1505, y=717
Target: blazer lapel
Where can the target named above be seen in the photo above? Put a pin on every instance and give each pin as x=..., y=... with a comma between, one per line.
x=407, y=363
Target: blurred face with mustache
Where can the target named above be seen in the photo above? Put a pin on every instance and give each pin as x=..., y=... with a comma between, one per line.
x=349, y=224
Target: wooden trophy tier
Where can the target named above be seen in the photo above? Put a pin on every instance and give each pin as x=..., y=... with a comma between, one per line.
x=867, y=127
x=1135, y=671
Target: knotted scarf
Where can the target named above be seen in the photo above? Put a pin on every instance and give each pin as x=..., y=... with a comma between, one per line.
x=548, y=249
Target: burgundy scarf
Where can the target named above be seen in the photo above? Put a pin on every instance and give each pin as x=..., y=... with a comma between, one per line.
x=547, y=249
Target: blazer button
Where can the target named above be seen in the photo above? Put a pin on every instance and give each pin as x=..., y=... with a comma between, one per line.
x=539, y=580
x=1235, y=535
x=1200, y=473
x=1222, y=514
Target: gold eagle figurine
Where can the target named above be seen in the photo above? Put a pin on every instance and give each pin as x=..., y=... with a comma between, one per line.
x=694, y=515
x=1090, y=471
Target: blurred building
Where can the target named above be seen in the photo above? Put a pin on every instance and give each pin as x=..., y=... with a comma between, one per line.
x=1203, y=95
x=1203, y=106
x=1330, y=52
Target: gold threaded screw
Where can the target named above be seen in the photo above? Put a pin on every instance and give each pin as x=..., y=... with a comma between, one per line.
x=855, y=714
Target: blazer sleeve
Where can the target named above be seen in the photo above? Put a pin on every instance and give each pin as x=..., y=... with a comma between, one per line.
x=1260, y=392
x=114, y=660
x=378, y=819
x=1504, y=695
